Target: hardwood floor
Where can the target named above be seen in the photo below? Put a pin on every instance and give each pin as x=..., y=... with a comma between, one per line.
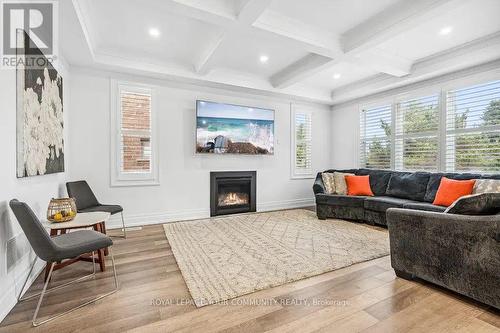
x=153, y=297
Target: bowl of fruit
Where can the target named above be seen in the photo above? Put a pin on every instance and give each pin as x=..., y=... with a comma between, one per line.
x=61, y=210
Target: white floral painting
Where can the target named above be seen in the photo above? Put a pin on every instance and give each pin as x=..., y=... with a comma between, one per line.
x=40, y=124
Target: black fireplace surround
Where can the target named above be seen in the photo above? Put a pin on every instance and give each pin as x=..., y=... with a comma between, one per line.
x=232, y=192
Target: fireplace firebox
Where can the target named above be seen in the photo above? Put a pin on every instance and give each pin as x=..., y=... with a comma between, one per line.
x=232, y=192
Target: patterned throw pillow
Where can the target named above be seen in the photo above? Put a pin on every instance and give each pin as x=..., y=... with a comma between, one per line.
x=486, y=186
x=340, y=184
x=476, y=204
x=329, y=182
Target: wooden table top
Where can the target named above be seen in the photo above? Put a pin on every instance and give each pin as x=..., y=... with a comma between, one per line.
x=81, y=220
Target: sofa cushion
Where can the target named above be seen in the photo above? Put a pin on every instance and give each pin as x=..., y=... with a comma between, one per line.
x=328, y=182
x=450, y=190
x=424, y=206
x=381, y=204
x=358, y=185
x=340, y=200
x=486, y=186
x=379, y=179
x=435, y=180
x=476, y=204
x=408, y=185
x=340, y=183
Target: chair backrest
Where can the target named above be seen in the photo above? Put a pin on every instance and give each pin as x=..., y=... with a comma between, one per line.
x=39, y=239
x=81, y=191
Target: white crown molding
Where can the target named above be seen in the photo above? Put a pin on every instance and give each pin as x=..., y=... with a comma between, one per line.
x=159, y=79
x=472, y=75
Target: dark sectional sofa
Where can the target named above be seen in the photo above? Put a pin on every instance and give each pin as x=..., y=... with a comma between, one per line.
x=392, y=189
x=458, y=252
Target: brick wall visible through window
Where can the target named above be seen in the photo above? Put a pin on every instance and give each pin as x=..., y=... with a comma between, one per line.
x=136, y=132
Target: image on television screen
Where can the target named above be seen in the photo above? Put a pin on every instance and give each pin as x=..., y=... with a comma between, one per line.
x=233, y=129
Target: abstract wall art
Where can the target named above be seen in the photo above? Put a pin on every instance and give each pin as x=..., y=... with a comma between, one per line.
x=40, y=124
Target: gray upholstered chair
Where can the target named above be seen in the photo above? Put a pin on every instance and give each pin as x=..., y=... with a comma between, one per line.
x=58, y=249
x=87, y=202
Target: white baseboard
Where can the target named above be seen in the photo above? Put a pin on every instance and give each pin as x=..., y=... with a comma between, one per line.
x=9, y=298
x=160, y=218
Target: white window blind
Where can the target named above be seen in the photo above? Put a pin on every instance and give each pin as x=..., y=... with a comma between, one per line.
x=473, y=128
x=417, y=134
x=375, y=137
x=135, y=132
x=134, y=147
x=302, y=144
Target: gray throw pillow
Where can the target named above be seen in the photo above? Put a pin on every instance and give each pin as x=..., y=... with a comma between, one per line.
x=476, y=204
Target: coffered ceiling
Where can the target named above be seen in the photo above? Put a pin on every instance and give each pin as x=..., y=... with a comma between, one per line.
x=322, y=50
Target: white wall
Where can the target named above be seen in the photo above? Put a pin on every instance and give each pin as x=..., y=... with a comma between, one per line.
x=36, y=191
x=345, y=137
x=183, y=192
x=345, y=117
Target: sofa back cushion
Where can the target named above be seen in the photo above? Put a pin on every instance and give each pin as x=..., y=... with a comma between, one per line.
x=408, y=185
x=435, y=180
x=379, y=179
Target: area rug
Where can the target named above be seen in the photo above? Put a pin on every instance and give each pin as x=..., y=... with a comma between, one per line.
x=226, y=257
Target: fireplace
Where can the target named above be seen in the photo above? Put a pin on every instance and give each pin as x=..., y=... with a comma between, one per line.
x=232, y=192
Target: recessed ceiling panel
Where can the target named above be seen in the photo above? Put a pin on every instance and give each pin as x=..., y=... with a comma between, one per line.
x=124, y=27
x=244, y=52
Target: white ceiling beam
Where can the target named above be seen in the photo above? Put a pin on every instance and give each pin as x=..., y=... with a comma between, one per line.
x=201, y=10
x=304, y=67
x=249, y=12
x=208, y=55
x=82, y=9
x=311, y=38
x=382, y=61
x=396, y=19
x=479, y=51
x=252, y=10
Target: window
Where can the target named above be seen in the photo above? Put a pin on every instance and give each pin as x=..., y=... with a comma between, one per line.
x=133, y=144
x=375, y=141
x=456, y=130
x=302, y=144
x=417, y=134
x=473, y=128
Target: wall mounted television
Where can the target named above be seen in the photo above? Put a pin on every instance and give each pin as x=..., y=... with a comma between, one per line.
x=233, y=129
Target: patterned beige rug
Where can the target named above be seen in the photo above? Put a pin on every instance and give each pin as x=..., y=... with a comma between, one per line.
x=226, y=257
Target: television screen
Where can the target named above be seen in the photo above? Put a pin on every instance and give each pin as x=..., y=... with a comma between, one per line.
x=233, y=129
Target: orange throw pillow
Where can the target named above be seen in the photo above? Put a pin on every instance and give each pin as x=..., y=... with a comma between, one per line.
x=450, y=190
x=358, y=185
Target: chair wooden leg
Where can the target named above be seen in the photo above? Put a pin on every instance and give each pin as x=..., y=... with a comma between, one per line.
x=103, y=230
x=101, y=259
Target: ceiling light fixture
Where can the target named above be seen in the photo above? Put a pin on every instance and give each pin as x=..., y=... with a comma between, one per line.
x=154, y=32
x=264, y=59
x=337, y=76
x=445, y=31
